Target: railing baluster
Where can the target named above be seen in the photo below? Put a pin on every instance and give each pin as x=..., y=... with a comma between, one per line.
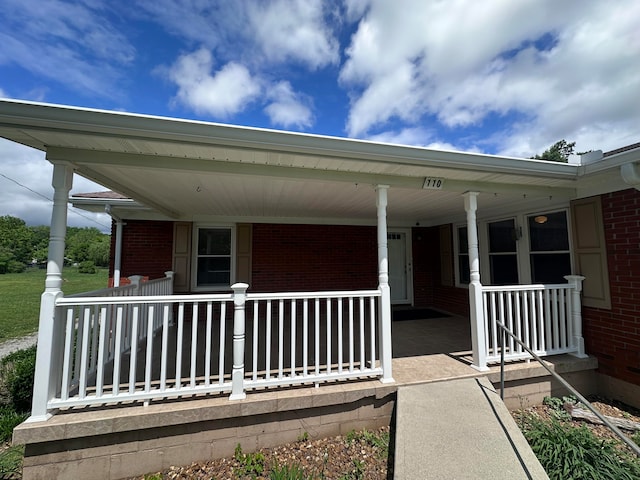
x=294, y=323
x=165, y=346
x=194, y=345
x=67, y=356
x=305, y=337
x=102, y=351
x=317, y=335
x=207, y=347
x=562, y=307
x=133, y=350
x=117, y=346
x=149, y=353
x=179, y=340
x=280, y=338
x=256, y=335
x=351, y=335
x=328, y=335
x=363, y=359
x=223, y=340
x=268, y=342
x=340, y=339
x=556, y=327
x=372, y=337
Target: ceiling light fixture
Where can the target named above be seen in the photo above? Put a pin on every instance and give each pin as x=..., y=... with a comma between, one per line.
x=540, y=219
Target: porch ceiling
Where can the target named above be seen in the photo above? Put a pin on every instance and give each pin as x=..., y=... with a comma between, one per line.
x=195, y=170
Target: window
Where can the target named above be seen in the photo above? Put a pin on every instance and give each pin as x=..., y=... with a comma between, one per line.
x=549, y=255
x=503, y=252
x=532, y=248
x=214, y=258
x=464, y=276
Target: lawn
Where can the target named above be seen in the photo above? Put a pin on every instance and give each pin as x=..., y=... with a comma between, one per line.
x=20, y=297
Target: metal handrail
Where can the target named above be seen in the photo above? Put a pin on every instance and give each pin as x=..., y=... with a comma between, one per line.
x=567, y=385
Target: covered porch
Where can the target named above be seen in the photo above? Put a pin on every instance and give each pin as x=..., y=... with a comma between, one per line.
x=196, y=337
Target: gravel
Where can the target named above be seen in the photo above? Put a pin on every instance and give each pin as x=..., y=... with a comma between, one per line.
x=14, y=344
x=342, y=457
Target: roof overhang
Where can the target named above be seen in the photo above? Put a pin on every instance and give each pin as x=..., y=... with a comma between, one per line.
x=188, y=170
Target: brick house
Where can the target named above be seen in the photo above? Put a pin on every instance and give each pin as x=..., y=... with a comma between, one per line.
x=276, y=259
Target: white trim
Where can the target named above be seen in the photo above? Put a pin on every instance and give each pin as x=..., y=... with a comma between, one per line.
x=194, y=257
x=408, y=264
x=522, y=245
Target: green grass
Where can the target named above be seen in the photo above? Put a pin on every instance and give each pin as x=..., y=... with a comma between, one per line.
x=20, y=297
x=11, y=462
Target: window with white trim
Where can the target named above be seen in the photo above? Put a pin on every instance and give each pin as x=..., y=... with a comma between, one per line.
x=214, y=249
x=549, y=255
x=532, y=248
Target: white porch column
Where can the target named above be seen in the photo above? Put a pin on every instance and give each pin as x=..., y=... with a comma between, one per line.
x=476, y=313
x=383, y=285
x=237, y=374
x=117, y=261
x=576, y=314
x=50, y=333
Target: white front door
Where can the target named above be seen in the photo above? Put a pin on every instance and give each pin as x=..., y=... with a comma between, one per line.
x=400, y=266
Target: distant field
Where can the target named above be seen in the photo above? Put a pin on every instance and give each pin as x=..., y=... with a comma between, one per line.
x=20, y=297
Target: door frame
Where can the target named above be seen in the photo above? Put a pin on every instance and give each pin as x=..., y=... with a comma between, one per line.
x=408, y=264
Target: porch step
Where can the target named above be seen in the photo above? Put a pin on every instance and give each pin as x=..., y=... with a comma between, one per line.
x=459, y=429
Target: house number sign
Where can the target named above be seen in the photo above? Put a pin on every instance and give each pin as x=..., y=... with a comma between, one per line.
x=433, y=183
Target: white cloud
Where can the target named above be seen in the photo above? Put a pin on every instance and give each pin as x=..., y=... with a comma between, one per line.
x=556, y=66
x=73, y=43
x=417, y=136
x=288, y=108
x=293, y=30
x=222, y=93
x=253, y=33
x=25, y=183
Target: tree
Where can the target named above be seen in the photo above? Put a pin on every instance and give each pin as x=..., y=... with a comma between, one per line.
x=558, y=152
x=16, y=238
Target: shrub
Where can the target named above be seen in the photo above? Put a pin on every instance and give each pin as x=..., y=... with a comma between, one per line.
x=16, y=379
x=87, y=267
x=13, y=266
x=566, y=451
x=9, y=419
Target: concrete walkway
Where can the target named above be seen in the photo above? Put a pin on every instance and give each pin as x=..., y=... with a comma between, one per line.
x=460, y=430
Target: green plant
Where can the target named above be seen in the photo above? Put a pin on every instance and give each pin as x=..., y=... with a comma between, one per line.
x=566, y=451
x=16, y=379
x=11, y=462
x=379, y=440
x=303, y=437
x=288, y=472
x=357, y=473
x=636, y=438
x=87, y=267
x=9, y=419
x=557, y=406
x=249, y=464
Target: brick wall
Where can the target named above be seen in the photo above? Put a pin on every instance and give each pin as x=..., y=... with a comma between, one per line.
x=313, y=257
x=428, y=290
x=614, y=335
x=146, y=248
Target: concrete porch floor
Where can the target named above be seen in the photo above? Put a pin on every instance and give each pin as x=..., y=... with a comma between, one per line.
x=125, y=440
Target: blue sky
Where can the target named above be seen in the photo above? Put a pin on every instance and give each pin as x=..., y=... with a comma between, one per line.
x=495, y=76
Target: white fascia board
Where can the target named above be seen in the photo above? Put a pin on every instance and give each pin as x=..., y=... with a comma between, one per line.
x=18, y=114
x=612, y=161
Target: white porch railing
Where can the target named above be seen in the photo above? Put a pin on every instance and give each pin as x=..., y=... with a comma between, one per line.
x=547, y=318
x=199, y=343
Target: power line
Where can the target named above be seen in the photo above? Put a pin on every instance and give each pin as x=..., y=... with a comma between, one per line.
x=51, y=200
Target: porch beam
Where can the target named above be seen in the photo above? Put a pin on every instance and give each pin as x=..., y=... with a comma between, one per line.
x=383, y=284
x=49, y=332
x=476, y=312
x=84, y=158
